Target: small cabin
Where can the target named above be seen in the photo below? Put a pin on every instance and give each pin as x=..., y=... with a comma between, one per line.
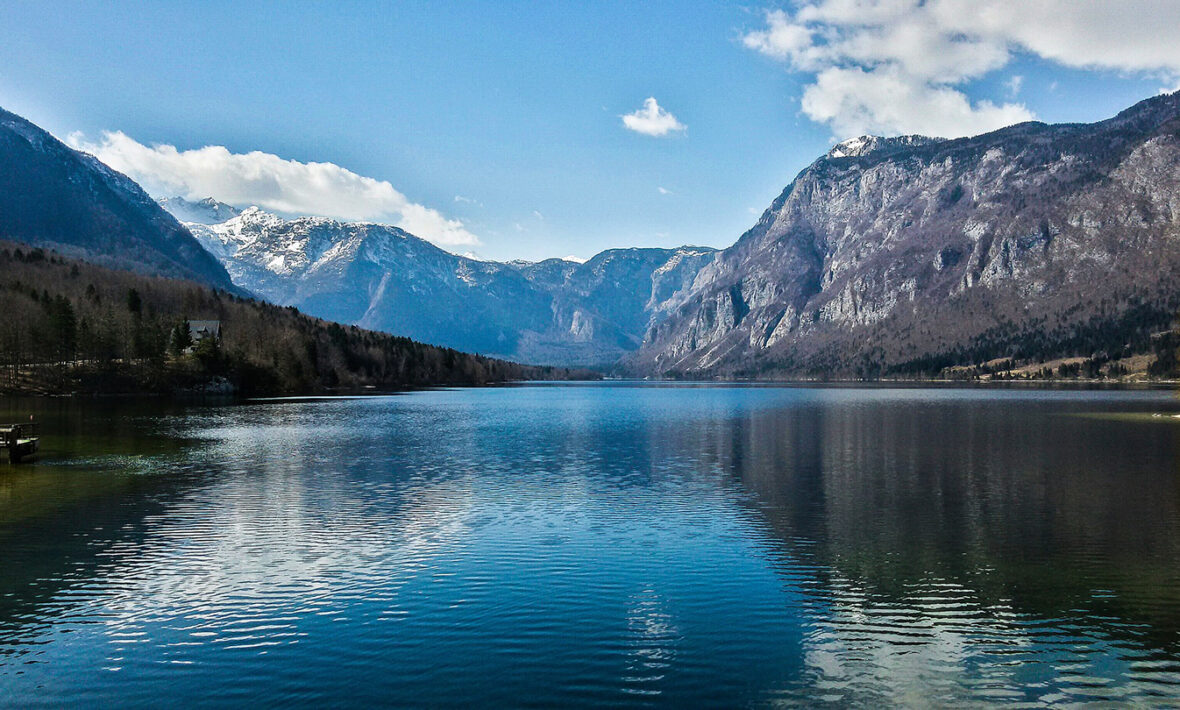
x=198, y=330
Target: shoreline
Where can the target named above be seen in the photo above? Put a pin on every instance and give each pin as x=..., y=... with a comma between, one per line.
x=1072, y=384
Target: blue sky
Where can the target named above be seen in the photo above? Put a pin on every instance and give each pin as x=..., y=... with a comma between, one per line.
x=497, y=128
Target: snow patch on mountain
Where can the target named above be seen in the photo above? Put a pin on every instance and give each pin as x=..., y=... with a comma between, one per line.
x=206, y=211
x=863, y=145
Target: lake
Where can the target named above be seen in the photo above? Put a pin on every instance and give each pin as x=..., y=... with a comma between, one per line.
x=586, y=544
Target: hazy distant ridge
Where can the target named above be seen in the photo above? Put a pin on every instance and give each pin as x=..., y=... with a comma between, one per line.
x=381, y=277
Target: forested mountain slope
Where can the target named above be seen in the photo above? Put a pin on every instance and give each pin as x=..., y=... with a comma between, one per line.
x=54, y=196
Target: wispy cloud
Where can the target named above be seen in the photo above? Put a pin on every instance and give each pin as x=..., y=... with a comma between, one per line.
x=1014, y=84
x=652, y=120
x=271, y=182
x=664, y=191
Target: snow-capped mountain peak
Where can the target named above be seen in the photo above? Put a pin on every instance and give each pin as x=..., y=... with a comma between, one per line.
x=206, y=211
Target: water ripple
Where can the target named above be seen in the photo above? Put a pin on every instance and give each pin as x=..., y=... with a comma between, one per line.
x=601, y=545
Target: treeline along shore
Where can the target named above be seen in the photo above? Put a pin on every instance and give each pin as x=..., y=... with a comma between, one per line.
x=69, y=326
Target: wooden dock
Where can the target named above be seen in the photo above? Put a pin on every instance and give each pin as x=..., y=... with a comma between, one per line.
x=20, y=440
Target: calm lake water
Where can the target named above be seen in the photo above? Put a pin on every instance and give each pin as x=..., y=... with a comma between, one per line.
x=585, y=544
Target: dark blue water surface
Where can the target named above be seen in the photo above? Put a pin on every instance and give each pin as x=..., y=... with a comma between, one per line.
x=577, y=545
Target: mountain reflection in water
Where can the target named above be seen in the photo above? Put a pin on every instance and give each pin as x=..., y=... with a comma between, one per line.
x=587, y=544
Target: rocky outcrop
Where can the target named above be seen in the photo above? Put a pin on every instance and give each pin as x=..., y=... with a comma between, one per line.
x=895, y=255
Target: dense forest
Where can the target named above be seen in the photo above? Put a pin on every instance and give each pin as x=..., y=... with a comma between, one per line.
x=72, y=326
x=1101, y=347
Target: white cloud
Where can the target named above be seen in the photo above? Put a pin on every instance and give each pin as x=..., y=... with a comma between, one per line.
x=1128, y=35
x=664, y=191
x=271, y=182
x=652, y=120
x=885, y=101
x=782, y=38
x=432, y=226
x=899, y=66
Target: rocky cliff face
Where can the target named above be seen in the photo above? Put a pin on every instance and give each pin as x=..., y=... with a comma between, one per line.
x=380, y=277
x=52, y=195
x=902, y=255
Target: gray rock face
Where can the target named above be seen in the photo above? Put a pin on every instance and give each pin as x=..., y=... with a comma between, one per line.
x=380, y=277
x=901, y=254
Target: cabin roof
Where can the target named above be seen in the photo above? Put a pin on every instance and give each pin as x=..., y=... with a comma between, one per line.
x=204, y=327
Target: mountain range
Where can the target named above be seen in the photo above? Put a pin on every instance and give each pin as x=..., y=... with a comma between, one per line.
x=380, y=277
x=886, y=256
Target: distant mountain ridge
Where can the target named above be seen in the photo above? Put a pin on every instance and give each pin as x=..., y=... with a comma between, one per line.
x=206, y=211
x=907, y=255
x=381, y=277
x=52, y=195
